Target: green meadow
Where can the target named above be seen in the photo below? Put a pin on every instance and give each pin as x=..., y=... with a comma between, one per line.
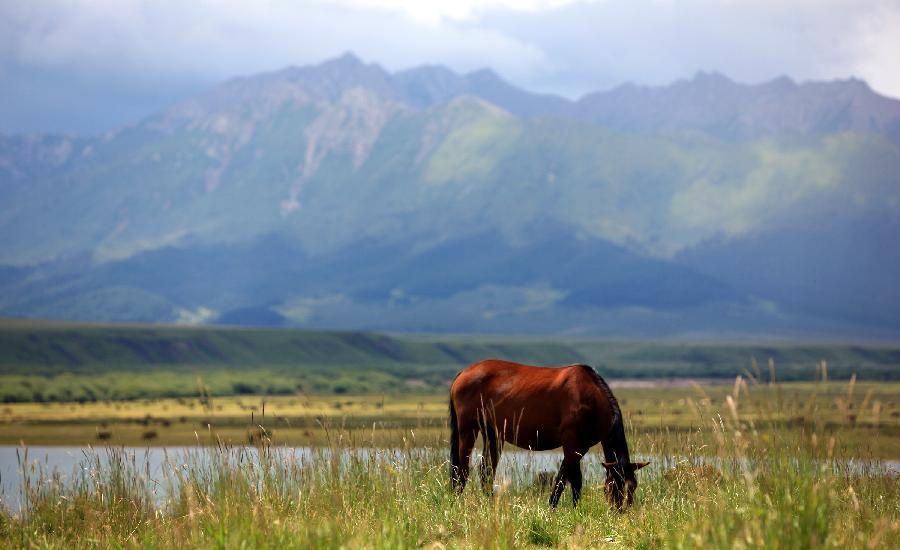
x=51, y=362
x=761, y=466
x=752, y=445
x=868, y=415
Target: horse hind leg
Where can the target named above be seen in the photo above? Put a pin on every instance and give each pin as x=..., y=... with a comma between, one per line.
x=467, y=436
x=574, y=475
x=490, y=457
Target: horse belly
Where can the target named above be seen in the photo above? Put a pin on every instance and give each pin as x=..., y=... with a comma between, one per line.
x=526, y=433
x=538, y=441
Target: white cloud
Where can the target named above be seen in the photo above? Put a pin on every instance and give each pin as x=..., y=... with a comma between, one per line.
x=657, y=41
x=224, y=38
x=876, y=51
x=563, y=46
x=432, y=11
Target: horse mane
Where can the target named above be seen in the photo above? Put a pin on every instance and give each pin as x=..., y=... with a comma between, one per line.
x=618, y=448
x=617, y=412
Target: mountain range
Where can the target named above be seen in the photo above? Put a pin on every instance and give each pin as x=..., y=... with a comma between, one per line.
x=341, y=195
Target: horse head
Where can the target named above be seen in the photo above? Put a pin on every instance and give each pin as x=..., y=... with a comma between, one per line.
x=621, y=483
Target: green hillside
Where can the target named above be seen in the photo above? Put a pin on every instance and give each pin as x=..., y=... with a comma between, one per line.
x=50, y=348
x=342, y=195
x=62, y=361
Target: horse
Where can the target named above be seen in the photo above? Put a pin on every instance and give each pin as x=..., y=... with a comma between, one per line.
x=540, y=408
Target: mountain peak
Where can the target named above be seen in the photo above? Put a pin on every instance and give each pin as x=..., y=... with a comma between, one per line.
x=347, y=60
x=856, y=84
x=484, y=75
x=332, y=78
x=711, y=78
x=347, y=65
x=781, y=83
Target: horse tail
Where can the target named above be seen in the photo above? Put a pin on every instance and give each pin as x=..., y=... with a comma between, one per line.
x=455, y=462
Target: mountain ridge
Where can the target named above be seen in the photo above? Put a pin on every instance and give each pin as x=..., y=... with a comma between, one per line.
x=459, y=83
x=393, y=177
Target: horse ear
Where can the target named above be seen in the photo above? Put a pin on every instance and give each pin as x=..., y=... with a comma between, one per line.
x=638, y=465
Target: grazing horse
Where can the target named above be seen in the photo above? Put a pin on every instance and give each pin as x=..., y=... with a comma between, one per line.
x=539, y=408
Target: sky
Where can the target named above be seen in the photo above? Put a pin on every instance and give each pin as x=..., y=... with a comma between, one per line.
x=88, y=66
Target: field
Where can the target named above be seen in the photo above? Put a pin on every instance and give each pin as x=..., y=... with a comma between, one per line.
x=666, y=411
x=745, y=465
x=752, y=446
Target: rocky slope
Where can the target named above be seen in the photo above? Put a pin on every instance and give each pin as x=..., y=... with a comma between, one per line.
x=343, y=195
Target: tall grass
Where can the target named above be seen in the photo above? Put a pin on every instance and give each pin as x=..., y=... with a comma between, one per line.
x=761, y=483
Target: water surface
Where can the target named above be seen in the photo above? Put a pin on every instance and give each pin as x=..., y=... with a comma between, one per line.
x=156, y=464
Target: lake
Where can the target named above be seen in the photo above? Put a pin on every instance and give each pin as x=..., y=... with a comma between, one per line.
x=157, y=463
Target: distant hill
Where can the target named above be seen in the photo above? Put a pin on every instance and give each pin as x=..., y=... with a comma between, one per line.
x=344, y=196
x=50, y=361
x=51, y=348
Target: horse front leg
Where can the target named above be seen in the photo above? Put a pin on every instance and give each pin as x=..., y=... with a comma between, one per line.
x=574, y=474
x=559, y=484
x=572, y=462
x=569, y=471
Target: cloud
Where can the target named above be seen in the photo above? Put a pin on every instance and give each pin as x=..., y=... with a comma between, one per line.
x=434, y=11
x=657, y=41
x=221, y=39
x=137, y=55
x=91, y=65
x=874, y=52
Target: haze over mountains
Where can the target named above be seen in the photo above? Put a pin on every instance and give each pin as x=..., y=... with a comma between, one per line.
x=340, y=195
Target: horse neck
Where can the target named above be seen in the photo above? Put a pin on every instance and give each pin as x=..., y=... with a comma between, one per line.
x=615, y=448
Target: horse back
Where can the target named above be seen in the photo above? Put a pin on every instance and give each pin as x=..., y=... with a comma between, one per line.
x=503, y=379
x=532, y=399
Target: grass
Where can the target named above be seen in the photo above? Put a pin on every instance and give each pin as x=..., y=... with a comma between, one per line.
x=51, y=347
x=666, y=412
x=746, y=462
x=768, y=484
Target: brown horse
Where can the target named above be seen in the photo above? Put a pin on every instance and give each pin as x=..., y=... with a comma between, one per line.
x=539, y=408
